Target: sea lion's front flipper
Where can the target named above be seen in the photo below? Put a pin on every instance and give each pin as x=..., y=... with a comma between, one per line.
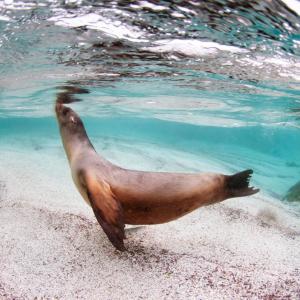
x=107, y=209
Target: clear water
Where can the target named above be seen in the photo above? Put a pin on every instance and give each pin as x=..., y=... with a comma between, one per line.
x=189, y=86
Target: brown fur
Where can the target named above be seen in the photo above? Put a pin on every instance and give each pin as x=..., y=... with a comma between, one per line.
x=120, y=196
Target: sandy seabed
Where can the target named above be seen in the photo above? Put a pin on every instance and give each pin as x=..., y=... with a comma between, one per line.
x=53, y=248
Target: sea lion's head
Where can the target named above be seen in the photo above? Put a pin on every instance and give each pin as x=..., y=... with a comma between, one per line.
x=71, y=127
x=67, y=118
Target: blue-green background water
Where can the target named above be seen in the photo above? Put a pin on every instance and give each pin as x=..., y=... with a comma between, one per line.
x=218, y=81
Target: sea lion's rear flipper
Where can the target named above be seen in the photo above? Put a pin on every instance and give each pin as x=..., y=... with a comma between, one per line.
x=238, y=184
x=107, y=210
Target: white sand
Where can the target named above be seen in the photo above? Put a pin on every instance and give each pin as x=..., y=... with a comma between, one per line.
x=53, y=248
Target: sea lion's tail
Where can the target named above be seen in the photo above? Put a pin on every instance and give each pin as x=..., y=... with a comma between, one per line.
x=238, y=184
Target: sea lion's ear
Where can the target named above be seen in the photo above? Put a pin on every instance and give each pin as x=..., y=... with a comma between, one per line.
x=107, y=209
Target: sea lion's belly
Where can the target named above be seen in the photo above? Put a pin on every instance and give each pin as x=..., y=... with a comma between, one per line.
x=147, y=215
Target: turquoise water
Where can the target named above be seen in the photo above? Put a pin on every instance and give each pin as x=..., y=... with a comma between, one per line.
x=218, y=84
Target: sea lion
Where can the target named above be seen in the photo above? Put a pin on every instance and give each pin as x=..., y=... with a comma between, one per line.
x=120, y=196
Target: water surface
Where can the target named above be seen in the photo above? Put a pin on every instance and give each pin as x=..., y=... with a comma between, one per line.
x=189, y=86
